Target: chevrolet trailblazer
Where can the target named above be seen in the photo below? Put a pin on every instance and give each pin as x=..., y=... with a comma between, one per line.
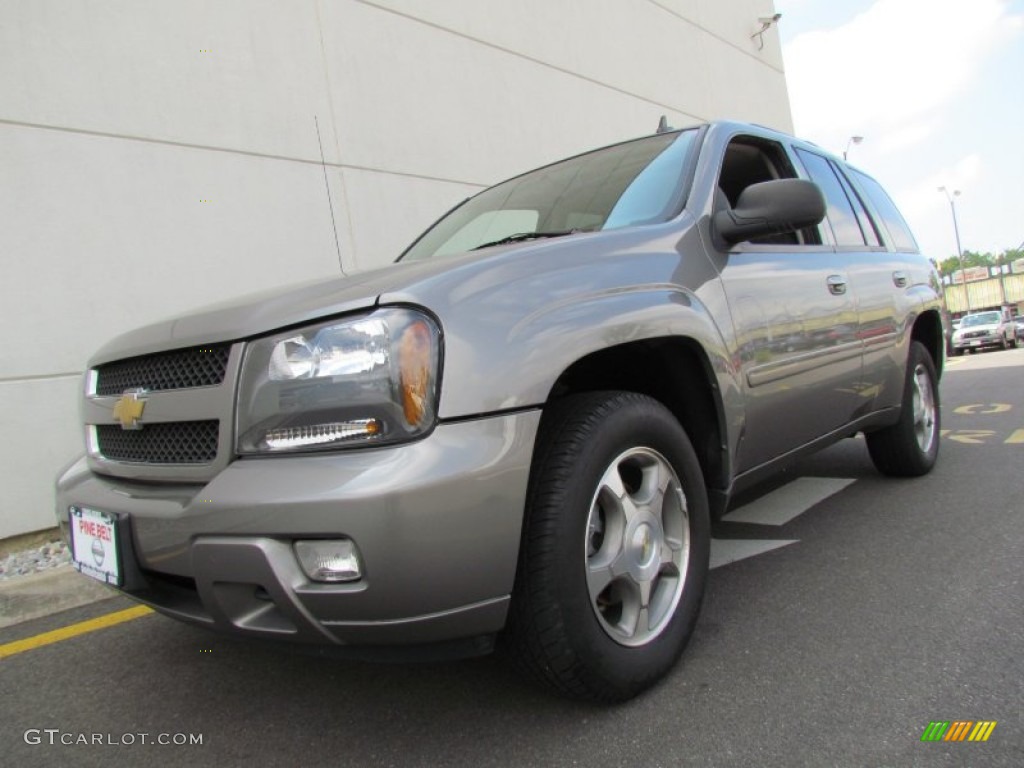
x=519, y=432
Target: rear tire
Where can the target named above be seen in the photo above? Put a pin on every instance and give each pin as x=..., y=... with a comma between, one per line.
x=910, y=447
x=615, y=547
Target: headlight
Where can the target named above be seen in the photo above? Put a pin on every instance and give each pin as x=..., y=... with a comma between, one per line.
x=368, y=380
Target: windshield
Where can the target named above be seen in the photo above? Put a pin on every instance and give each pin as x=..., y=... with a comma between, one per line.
x=984, y=318
x=637, y=182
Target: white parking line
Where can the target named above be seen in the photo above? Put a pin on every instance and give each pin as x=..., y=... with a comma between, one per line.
x=783, y=504
x=775, y=508
x=725, y=551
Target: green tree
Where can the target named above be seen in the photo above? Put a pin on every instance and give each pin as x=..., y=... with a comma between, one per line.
x=949, y=266
x=1010, y=255
x=976, y=259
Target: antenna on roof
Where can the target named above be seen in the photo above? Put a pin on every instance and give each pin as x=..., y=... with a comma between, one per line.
x=663, y=126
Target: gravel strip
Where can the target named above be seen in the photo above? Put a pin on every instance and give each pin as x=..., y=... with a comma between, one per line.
x=52, y=554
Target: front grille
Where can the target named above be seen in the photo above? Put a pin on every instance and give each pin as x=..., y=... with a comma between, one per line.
x=179, y=369
x=974, y=334
x=180, y=442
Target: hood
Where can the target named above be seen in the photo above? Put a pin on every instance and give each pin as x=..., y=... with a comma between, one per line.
x=981, y=327
x=439, y=280
x=270, y=310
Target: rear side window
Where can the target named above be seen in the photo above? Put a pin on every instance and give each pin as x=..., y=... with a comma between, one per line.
x=867, y=226
x=898, y=229
x=844, y=223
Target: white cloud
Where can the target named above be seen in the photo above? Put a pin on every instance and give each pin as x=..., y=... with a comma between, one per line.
x=896, y=62
x=905, y=136
x=924, y=196
x=907, y=75
x=927, y=209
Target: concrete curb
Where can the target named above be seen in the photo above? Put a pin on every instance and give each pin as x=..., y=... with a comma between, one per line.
x=40, y=594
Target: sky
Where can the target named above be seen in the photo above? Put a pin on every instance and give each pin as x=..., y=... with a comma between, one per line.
x=936, y=88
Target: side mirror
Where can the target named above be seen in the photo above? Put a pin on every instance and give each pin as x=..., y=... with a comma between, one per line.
x=771, y=208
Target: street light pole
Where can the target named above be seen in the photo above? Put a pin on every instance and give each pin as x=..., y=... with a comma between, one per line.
x=853, y=140
x=959, y=251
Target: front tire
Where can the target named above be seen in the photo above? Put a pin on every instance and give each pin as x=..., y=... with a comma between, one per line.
x=910, y=447
x=615, y=548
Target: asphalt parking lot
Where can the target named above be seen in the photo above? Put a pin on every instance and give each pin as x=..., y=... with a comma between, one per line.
x=846, y=613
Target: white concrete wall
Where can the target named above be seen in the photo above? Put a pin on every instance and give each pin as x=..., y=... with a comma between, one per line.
x=157, y=156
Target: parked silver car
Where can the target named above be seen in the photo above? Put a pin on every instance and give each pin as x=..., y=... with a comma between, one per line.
x=994, y=329
x=521, y=430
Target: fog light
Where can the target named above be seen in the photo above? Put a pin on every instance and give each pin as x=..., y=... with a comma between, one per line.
x=329, y=560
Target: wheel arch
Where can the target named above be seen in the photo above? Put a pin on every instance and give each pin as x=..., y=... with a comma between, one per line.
x=676, y=372
x=928, y=330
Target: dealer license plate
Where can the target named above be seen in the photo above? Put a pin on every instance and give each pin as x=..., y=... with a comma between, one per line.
x=94, y=544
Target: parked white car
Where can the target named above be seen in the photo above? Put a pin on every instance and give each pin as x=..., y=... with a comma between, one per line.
x=983, y=330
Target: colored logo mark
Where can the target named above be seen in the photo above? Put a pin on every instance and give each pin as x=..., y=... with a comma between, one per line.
x=958, y=730
x=128, y=409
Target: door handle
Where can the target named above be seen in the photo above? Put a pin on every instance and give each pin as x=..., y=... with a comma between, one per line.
x=899, y=278
x=836, y=285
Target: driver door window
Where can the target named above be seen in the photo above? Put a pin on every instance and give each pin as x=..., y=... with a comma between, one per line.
x=748, y=161
x=795, y=329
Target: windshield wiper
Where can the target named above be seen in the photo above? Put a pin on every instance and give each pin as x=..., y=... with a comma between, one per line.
x=522, y=236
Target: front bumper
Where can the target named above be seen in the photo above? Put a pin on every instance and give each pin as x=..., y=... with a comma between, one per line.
x=982, y=342
x=437, y=523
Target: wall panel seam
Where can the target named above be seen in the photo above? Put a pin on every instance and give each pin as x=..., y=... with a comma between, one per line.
x=39, y=377
x=243, y=152
x=718, y=37
x=532, y=60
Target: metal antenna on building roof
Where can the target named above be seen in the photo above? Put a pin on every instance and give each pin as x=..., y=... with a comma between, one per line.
x=334, y=226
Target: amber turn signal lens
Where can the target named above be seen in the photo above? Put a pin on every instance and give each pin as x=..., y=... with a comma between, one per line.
x=414, y=354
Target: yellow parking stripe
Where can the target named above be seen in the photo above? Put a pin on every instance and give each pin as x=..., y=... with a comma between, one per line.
x=73, y=630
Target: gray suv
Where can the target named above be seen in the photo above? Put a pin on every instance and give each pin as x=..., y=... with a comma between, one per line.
x=519, y=432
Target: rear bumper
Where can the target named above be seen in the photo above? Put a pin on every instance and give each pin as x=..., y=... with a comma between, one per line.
x=437, y=524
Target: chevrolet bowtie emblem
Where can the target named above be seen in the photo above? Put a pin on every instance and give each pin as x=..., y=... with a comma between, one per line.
x=128, y=410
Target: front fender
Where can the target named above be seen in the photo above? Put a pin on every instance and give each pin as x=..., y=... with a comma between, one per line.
x=512, y=326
